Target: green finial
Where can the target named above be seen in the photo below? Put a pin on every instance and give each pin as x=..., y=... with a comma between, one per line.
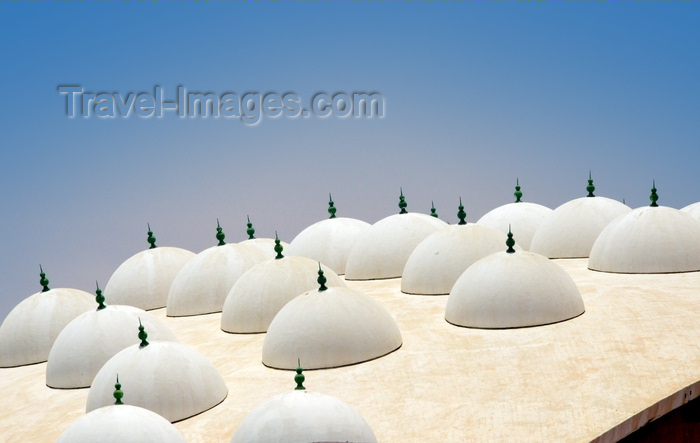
x=590, y=188
x=100, y=299
x=623, y=200
x=653, y=197
x=321, y=279
x=402, y=203
x=331, y=208
x=518, y=195
x=510, y=242
x=461, y=214
x=151, y=239
x=250, y=231
x=142, y=335
x=278, y=247
x=118, y=394
x=299, y=378
x=43, y=281
x=220, y=234
x=433, y=212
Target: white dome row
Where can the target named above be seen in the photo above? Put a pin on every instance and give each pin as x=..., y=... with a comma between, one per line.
x=508, y=289
x=429, y=254
x=389, y=249
x=298, y=416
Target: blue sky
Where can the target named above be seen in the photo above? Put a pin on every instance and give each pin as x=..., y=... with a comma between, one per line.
x=476, y=94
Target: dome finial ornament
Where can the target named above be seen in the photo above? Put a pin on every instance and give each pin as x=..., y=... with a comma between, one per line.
x=118, y=394
x=331, y=208
x=278, y=247
x=100, y=299
x=321, y=279
x=220, y=234
x=299, y=378
x=142, y=335
x=151, y=239
x=43, y=281
x=433, y=212
x=518, y=195
x=590, y=188
x=402, y=203
x=653, y=197
x=510, y=242
x=461, y=214
x=250, y=231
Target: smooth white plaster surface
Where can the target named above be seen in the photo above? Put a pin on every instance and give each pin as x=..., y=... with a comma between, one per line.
x=648, y=240
x=325, y=329
x=329, y=241
x=383, y=249
x=30, y=329
x=121, y=424
x=512, y=291
x=571, y=230
x=693, y=210
x=203, y=283
x=437, y=262
x=524, y=218
x=302, y=417
x=262, y=291
x=168, y=378
x=92, y=338
x=144, y=279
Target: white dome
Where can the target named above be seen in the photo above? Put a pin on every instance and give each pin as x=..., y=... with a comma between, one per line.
x=382, y=250
x=261, y=292
x=167, y=378
x=265, y=245
x=438, y=261
x=301, y=417
x=144, y=279
x=512, y=291
x=648, y=240
x=119, y=424
x=571, y=230
x=329, y=241
x=523, y=218
x=202, y=284
x=30, y=329
x=92, y=338
x=693, y=210
x=330, y=328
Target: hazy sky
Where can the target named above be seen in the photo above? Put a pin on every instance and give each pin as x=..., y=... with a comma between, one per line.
x=475, y=95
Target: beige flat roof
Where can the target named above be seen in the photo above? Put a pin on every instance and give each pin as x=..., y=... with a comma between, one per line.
x=632, y=356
